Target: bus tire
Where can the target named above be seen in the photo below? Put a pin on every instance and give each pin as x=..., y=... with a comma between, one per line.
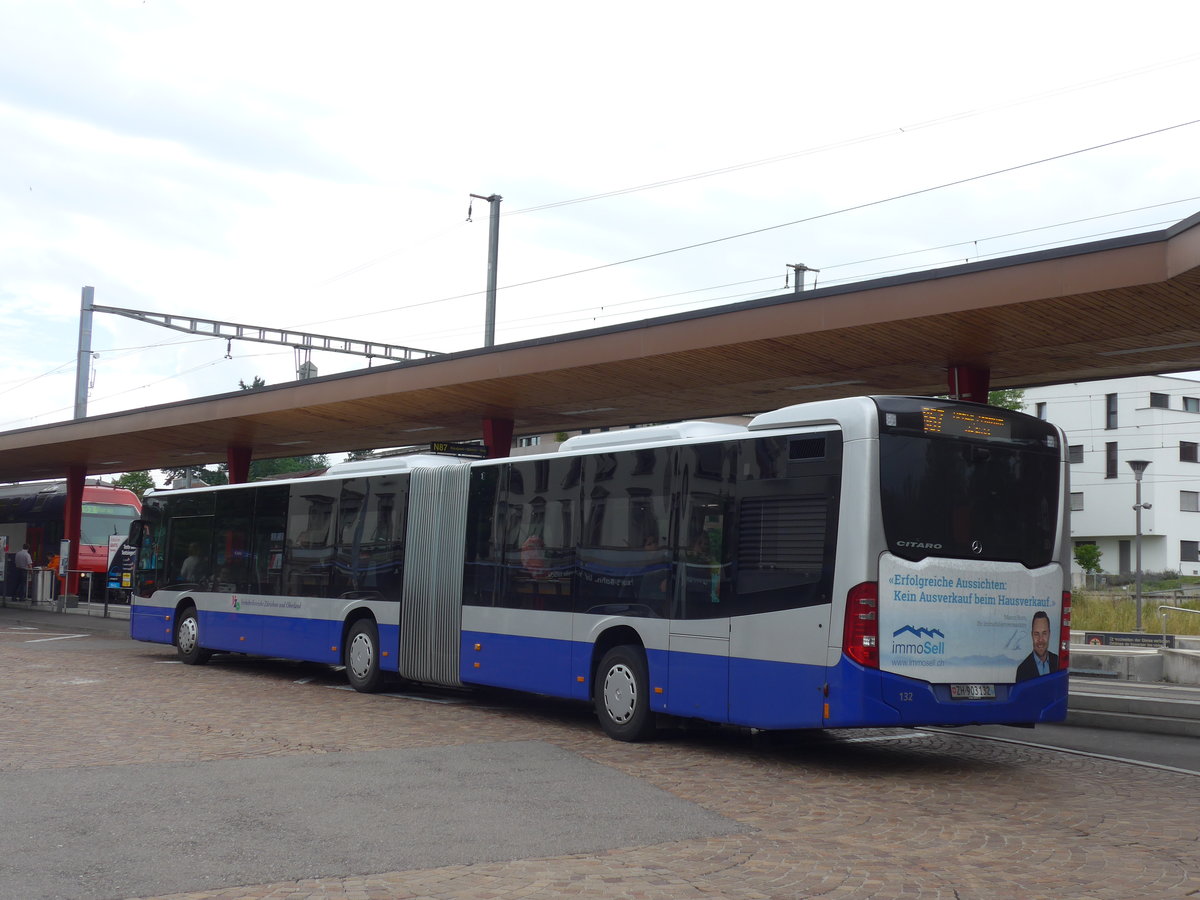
x=621, y=693
x=187, y=638
x=362, y=656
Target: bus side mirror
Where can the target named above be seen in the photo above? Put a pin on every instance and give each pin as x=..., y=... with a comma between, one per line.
x=137, y=528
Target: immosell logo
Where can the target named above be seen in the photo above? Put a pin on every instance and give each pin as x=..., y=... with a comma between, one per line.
x=912, y=640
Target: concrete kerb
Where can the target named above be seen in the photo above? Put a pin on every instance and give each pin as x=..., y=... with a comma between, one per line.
x=1181, y=666
x=1132, y=706
x=1124, y=663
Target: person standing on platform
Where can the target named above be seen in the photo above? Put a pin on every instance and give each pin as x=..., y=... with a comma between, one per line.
x=23, y=565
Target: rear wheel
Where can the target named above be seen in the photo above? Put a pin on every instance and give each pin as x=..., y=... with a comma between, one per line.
x=187, y=638
x=621, y=693
x=362, y=656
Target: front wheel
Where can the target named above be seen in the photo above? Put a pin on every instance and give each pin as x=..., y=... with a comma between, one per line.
x=187, y=639
x=621, y=694
x=362, y=656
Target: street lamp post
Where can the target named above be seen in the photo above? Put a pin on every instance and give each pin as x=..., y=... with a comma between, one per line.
x=1138, y=466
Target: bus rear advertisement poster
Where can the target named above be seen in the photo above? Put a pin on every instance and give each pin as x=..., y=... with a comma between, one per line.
x=970, y=620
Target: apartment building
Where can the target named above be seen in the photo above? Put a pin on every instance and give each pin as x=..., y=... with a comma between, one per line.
x=1153, y=419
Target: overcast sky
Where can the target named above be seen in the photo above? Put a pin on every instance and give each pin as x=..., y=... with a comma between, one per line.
x=304, y=165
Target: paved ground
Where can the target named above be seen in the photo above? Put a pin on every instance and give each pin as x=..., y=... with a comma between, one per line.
x=128, y=775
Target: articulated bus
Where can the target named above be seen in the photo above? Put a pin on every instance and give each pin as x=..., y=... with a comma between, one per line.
x=34, y=513
x=863, y=562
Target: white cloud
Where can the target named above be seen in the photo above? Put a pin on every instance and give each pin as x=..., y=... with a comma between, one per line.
x=301, y=165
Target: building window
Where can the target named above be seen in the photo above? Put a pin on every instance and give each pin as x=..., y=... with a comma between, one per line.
x=1189, y=551
x=1075, y=453
x=1191, y=404
x=1110, y=411
x=1041, y=410
x=1189, y=501
x=1110, y=459
x=1077, y=501
x=531, y=441
x=1187, y=451
x=1160, y=401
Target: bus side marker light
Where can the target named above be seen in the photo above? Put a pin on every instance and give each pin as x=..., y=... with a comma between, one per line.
x=387, y=653
x=658, y=690
x=826, y=711
x=580, y=679
x=478, y=647
x=242, y=638
x=478, y=665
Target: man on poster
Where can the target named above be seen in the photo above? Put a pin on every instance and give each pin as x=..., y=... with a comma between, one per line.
x=1041, y=661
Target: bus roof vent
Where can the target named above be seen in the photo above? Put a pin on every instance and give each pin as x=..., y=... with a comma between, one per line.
x=650, y=434
x=393, y=464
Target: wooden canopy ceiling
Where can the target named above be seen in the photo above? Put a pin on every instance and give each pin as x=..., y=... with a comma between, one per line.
x=1126, y=306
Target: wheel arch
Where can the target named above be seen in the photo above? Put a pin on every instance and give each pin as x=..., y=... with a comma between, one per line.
x=352, y=618
x=184, y=602
x=617, y=636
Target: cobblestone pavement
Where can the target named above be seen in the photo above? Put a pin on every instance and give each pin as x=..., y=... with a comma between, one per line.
x=853, y=815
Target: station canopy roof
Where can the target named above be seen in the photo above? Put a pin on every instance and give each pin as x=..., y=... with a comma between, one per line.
x=1106, y=309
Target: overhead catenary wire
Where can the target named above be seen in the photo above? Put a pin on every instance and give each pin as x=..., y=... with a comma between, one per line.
x=595, y=313
x=849, y=142
x=804, y=220
x=609, y=311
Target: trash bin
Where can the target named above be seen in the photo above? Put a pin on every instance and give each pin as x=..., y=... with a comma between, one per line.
x=42, y=589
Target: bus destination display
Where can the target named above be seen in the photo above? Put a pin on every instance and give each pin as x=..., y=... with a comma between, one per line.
x=964, y=423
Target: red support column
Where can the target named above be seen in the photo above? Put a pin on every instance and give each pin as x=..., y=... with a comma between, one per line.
x=239, y=464
x=969, y=383
x=71, y=528
x=497, y=435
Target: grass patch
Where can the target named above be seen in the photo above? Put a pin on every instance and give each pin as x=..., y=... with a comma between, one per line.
x=1117, y=611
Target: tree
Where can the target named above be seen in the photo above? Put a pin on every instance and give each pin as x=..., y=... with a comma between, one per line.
x=255, y=383
x=138, y=482
x=1009, y=398
x=1088, y=558
x=270, y=468
x=205, y=474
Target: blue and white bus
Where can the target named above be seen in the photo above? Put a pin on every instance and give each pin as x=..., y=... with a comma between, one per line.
x=870, y=561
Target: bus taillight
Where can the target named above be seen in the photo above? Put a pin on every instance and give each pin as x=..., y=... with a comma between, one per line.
x=860, y=634
x=1064, y=635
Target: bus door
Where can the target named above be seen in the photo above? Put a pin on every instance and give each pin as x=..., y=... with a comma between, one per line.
x=698, y=641
x=786, y=537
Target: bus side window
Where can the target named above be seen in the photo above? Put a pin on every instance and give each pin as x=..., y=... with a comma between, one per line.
x=705, y=552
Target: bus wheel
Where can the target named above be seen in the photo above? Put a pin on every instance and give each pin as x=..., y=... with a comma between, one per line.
x=622, y=696
x=187, y=639
x=362, y=656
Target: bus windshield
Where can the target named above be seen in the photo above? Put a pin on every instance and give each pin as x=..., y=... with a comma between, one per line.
x=968, y=482
x=100, y=520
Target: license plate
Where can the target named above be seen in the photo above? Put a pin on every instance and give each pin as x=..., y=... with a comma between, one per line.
x=973, y=691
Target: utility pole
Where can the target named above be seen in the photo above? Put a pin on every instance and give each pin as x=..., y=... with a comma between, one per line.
x=489, y=319
x=800, y=269
x=83, y=361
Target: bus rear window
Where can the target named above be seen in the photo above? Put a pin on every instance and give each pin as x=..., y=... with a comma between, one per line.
x=980, y=485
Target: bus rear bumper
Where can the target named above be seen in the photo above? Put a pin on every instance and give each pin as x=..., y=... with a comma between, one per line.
x=860, y=697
